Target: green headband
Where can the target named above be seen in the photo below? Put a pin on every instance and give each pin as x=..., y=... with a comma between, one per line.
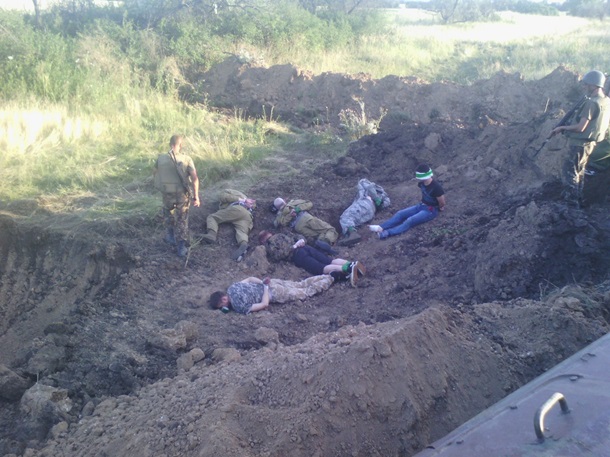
x=423, y=176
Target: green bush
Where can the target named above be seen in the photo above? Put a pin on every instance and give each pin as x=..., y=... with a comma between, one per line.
x=36, y=64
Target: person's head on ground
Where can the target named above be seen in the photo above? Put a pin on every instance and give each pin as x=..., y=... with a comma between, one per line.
x=218, y=300
x=279, y=203
x=423, y=173
x=264, y=236
x=250, y=203
x=175, y=142
x=593, y=81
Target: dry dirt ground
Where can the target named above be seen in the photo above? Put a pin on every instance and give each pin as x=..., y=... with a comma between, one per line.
x=109, y=349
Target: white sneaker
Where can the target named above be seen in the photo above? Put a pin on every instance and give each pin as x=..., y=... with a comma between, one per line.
x=375, y=228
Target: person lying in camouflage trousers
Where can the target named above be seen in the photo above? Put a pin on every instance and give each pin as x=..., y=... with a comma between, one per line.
x=253, y=294
x=295, y=214
x=282, y=247
x=370, y=197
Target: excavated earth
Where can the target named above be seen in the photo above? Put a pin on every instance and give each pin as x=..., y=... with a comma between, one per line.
x=109, y=349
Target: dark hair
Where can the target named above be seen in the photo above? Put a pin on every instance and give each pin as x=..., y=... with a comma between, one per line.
x=423, y=168
x=263, y=236
x=215, y=298
x=173, y=141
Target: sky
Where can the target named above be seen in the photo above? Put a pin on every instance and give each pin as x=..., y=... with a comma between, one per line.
x=22, y=5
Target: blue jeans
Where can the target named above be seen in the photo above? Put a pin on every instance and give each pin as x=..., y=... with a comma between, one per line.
x=311, y=259
x=406, y=218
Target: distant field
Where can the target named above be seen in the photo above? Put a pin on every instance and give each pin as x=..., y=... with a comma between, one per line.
x=417, y=44
x=85, y=114
x=512, y=27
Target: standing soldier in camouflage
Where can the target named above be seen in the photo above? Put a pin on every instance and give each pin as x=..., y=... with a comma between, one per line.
x=295, y=214
x=369, y=198
x=174, y=175
x=235, y=208
x=590, y=127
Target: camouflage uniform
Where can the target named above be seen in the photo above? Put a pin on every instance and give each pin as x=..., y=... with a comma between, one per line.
x=176, y=201
x=245, y=294
x=233, y=212
x=364, y=206
x=279, y=247
x=295, y=215
x=597, y=110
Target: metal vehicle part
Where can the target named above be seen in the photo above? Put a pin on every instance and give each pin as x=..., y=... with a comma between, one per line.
x=525, y=423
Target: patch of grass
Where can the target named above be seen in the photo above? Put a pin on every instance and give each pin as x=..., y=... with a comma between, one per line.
x=419, y=45
x=46, y=150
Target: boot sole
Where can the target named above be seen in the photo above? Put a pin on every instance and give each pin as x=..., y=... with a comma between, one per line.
x=239, y=253
x=349, y=242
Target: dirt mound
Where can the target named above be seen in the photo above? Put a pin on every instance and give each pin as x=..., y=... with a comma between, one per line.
x=306, y=99
x=450, y=318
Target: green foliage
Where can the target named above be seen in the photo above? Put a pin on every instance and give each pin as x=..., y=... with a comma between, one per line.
x=288, y=26
x=588, y=8
x=355, y=122
x=89, y=103
x=33, y=63
x=526, y=7
x=452, y=11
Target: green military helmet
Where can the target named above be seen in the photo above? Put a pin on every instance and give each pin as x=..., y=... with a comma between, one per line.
x=594, y=78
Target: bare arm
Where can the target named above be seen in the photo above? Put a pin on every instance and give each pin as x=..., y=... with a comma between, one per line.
x=264, y=302
x=195, y=181
x=576, y=128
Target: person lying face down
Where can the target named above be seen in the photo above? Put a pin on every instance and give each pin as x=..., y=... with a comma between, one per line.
x=312, y=259
x=295, y=214
x=253, y=294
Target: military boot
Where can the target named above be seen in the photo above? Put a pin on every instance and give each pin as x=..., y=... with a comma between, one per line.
x=239, y=253
x=351, y=239
x=182, y=249
x=170, y=238
x=209, y=237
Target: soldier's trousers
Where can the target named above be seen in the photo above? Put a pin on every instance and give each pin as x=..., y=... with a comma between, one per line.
x=359, y=212
x=573, y=172
x=176, y=214
x=283, y=291
x=236, y=215
x=312, y=227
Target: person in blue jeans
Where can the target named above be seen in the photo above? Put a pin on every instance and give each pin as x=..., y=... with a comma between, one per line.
x=286, y=247
x=432, y=201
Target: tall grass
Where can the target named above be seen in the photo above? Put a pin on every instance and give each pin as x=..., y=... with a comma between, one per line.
x=86, y=114
x=417, y=45
x=45, y=149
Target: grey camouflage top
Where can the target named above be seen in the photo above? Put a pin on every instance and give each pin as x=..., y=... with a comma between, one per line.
x=243, y=295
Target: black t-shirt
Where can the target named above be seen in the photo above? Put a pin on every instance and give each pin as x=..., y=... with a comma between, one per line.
x=430, y=193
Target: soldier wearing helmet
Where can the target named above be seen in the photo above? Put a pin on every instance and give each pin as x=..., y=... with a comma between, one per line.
x=590, y=127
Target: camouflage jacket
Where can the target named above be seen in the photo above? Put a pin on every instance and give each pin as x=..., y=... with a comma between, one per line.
x=286, y=215
x=279, y=246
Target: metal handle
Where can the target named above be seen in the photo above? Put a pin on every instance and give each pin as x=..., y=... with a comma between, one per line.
x=545, y=408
